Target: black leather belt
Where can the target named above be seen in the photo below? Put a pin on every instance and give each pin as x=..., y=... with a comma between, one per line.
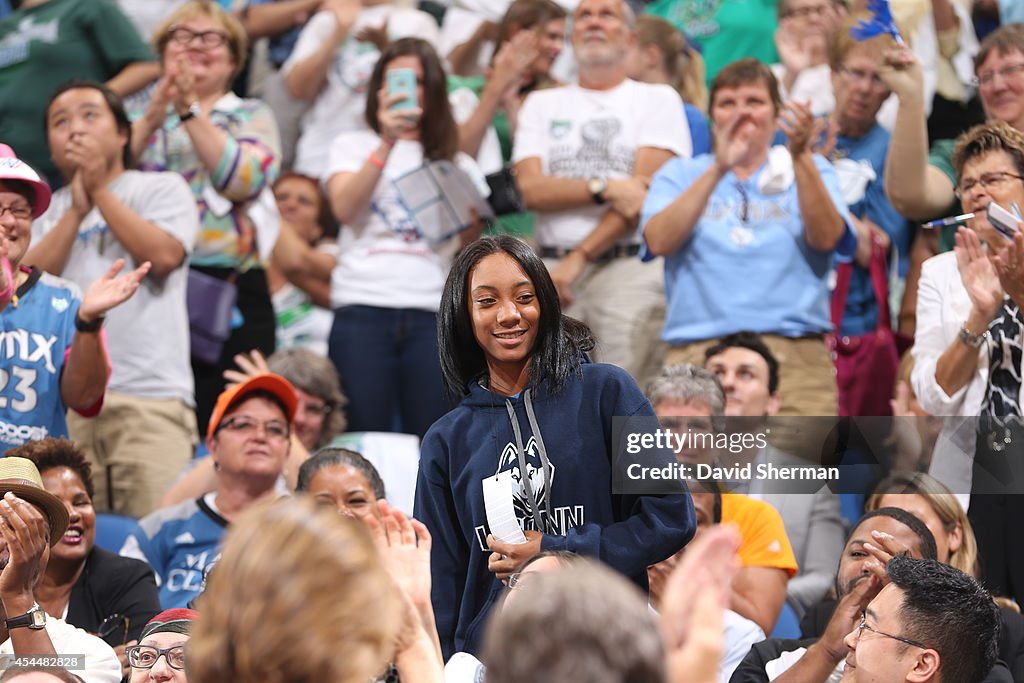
x=617, y=251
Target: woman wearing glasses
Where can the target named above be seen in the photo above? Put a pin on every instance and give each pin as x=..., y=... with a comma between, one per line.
x=89, y=587
x=967, y=353
x=160, y=656
x=227, y=149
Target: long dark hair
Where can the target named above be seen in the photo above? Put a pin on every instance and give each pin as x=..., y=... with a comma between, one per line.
x=438, y=133
x=561, y=340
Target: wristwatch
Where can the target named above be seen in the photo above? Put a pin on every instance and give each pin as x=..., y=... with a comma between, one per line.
x=193, y=111
x=972, y=340
x=83, y=326
x=597, y=188
x=34, y=619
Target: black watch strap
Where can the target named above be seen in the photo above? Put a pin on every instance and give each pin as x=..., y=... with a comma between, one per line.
x=83, y=326
x=34, y=619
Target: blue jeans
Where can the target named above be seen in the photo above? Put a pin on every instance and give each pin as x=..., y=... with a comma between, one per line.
x=390, y=369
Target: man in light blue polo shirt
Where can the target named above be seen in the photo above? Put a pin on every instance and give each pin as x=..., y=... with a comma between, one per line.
x=748, y=235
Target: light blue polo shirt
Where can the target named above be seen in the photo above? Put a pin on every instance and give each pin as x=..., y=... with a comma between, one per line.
x=745, y=269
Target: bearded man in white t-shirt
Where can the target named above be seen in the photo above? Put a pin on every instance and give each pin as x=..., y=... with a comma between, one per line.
x=583, y=155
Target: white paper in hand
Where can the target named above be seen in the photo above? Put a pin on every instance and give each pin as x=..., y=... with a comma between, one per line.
x=501, y=516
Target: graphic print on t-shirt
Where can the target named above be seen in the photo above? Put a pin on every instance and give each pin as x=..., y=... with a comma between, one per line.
x=597, y=153
x=387, y=205
x=353, y=64
x=14, y=47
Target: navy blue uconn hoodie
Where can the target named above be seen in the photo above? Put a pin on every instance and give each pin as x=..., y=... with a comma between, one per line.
x=476, y=440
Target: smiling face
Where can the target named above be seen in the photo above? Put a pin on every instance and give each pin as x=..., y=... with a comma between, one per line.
x=17, y=231
x=504, y=310
x=1003, y=95
x=600, y=35
x=79, y=539
x=248, y=443
x=878, y=658
x=82, y=112
x=1007, y=190
x=552, y=42
x=212, y=66
x=345, y=488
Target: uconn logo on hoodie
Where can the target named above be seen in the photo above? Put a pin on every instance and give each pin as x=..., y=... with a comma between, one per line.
x=559, y=521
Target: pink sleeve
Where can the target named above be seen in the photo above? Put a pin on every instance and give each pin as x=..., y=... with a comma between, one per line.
x=94, y=409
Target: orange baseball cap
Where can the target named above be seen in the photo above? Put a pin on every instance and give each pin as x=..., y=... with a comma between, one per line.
x=275, y=384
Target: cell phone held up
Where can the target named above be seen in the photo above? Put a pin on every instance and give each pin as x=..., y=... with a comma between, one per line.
x=1002, y=220
x=403, y=82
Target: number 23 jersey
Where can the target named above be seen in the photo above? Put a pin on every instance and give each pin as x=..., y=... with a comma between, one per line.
x=36, y=331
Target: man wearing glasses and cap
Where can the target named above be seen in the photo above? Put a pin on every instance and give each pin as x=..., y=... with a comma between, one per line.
x=249, y=438
x=52, y=353
x=31, y=521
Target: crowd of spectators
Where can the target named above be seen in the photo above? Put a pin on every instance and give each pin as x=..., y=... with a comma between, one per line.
x=323, y=325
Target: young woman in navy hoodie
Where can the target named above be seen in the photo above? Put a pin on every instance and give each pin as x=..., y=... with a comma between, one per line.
x=531, y=401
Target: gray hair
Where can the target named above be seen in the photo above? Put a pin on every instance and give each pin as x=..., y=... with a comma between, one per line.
x=605, y=632
x=333, y=457
x=315, y=375
x=688, y=383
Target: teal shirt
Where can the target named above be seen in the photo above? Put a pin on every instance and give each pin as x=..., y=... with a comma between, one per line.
x=725, y=30
x=45, y=46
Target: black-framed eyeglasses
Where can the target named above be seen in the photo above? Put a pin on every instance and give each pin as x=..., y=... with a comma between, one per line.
x=987, y=182
x=208, y=39
x=864, y=626
x=112, y=624
x=146, y=656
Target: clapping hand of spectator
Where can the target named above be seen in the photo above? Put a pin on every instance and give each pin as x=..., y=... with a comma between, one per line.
x=800, y=127
x=734, y=142
x=6, y=273
x=693, y=605
x=111, y=290
x=826, y=144
x=657, y=577
x=978, y=275
x=91, y=174
x=26, y=535
x=404, y=546
x=377, y=35
x=884, y=548
x=796, y=49
x=182, y=91
x=1009, y=265
x=512, y=62
x=847, y=615
x=345, y=12
x=902, y=73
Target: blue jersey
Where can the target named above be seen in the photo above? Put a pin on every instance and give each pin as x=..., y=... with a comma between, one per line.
x=36, y=330
x=180, y=543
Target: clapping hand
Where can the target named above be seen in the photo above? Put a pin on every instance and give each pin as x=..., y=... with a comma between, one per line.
x=978, y=275
x=249, y=365
x=26, y=536
x=111, y=290
x=1009, y=265
x=800, y=127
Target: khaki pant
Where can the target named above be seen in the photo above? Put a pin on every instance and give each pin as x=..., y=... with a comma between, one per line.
x=623, y=303
x=137, y=448
x=807, y=387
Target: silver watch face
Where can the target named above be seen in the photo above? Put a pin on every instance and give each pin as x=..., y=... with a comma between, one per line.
x=597, y=185
x=38, y=619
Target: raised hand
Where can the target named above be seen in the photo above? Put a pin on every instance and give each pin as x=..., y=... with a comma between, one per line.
x=377, y=35
x=26, y=534
x=249, y=366
x=394, y=124
x=734, y=142
x=513, y=60
x=111, y=290
x=978, y=274
x=795, y=51
x=344, y=11
x=902, y=73
x=1009, y=265
x=92, y=173
x=184, y=81
x=404, y=545
x=800, y=127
